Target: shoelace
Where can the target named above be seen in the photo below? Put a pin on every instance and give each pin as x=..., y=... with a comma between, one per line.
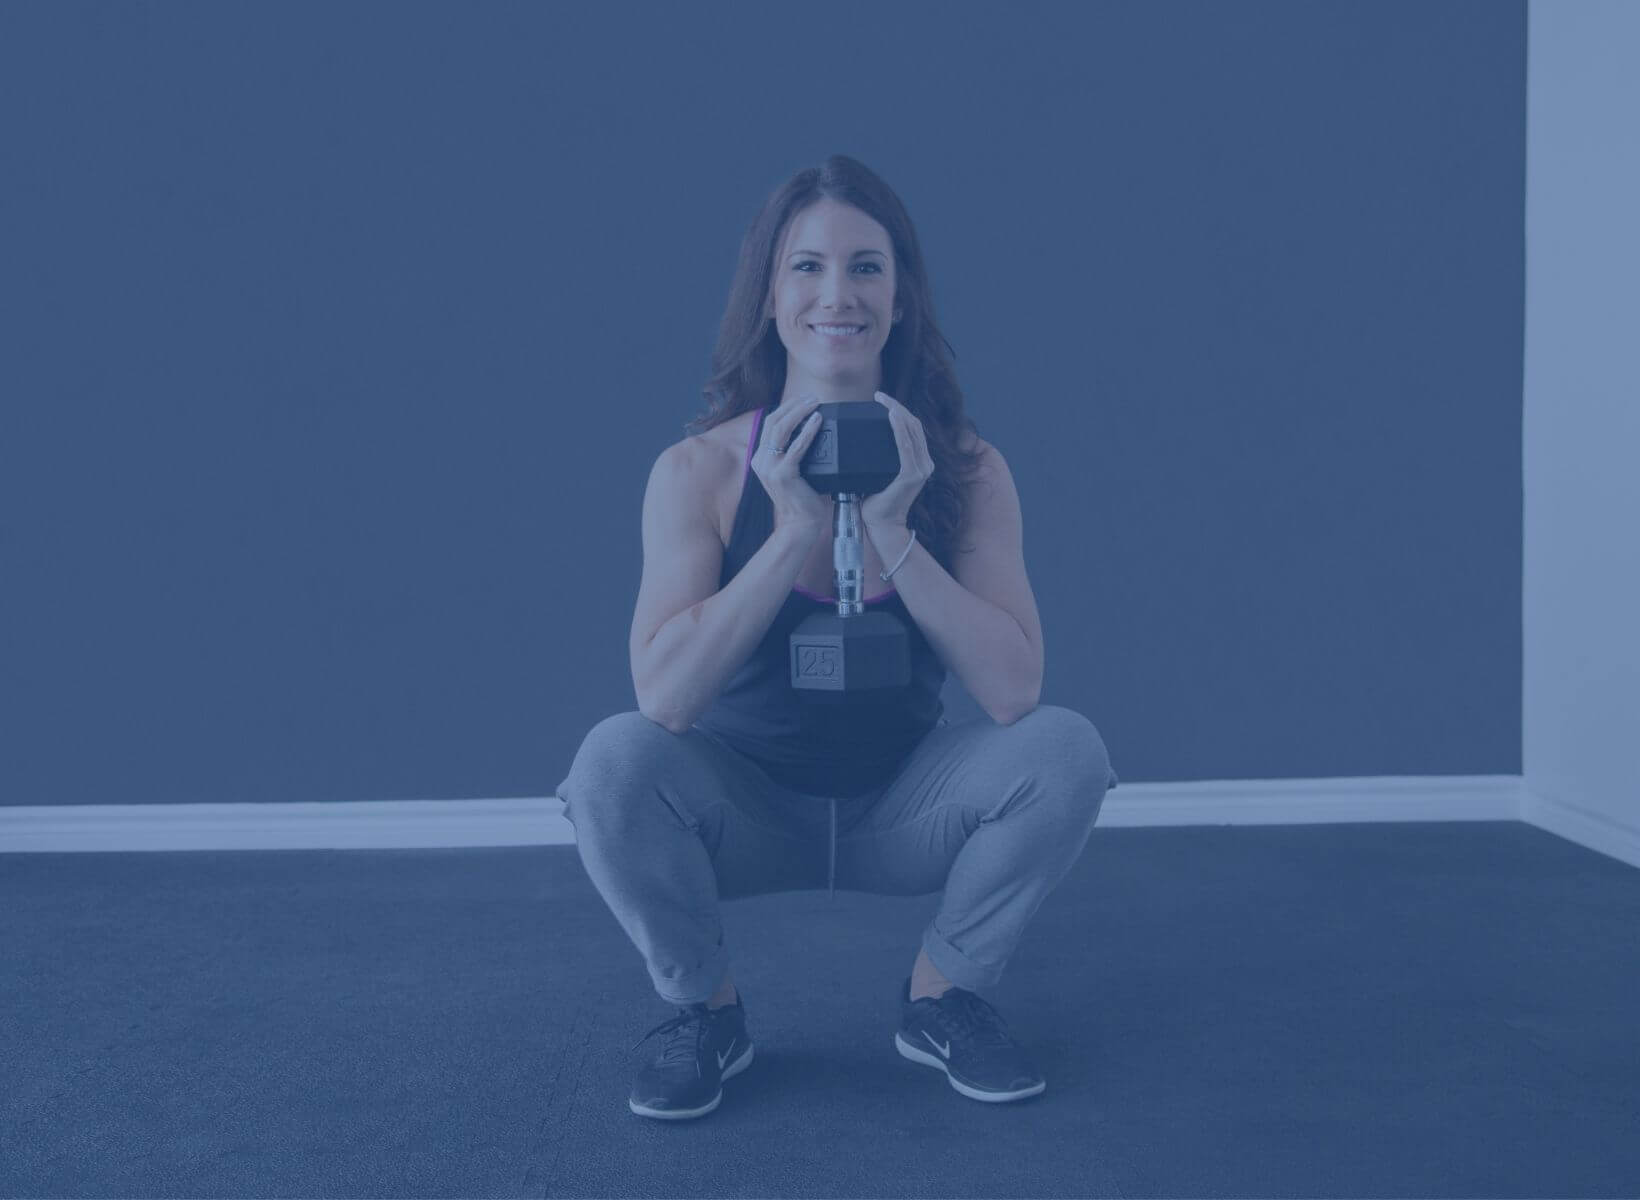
x=966, y=1014
x=683, y=1046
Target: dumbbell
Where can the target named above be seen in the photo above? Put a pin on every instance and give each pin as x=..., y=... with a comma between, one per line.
x=850, y=652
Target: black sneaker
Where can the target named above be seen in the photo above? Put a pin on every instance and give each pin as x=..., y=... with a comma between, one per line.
x=703, y=1048
x=966, y=1038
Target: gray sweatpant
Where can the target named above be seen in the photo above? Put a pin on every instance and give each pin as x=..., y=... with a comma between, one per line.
x=669, y=824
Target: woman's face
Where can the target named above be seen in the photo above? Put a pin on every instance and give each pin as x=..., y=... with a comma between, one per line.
x=835, y=266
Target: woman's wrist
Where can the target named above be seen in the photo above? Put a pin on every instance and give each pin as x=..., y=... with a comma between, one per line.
x=889, y=537
x=893, y=543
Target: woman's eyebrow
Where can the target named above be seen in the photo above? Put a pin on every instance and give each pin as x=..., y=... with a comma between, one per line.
x=817, y=253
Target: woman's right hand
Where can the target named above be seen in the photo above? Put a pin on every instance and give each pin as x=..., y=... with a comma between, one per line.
x=796, y=502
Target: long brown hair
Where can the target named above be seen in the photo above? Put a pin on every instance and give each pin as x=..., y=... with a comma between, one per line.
x=749, y=361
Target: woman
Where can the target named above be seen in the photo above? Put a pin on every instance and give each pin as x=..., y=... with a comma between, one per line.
x=714, y=788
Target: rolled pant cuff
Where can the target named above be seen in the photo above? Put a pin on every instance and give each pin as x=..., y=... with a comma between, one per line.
x=699, y=985
x=956, y=966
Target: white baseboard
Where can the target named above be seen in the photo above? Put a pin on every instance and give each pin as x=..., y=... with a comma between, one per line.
x=302, y=825
x=538, y=821
x=1589, y=830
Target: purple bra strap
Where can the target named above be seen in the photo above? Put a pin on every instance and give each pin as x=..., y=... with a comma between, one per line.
x=756, y=425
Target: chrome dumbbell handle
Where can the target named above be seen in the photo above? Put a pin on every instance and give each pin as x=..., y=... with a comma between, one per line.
x=848, y=555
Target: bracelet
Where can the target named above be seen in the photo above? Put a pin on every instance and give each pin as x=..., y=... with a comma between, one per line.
x=885, y=575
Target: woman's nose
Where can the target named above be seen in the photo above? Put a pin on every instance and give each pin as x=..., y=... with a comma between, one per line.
x=834, y=291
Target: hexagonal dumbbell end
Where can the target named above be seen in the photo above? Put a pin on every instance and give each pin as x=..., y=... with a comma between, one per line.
x=853, y=451
x=835, y=656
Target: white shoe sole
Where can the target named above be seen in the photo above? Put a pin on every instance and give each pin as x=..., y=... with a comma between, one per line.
x=683, y=1114
x=910, y=1051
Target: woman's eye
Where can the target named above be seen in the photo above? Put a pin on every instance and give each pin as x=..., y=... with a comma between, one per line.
x=809, y=262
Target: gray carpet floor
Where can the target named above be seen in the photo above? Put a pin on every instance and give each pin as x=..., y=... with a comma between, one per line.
x=1423, y=1009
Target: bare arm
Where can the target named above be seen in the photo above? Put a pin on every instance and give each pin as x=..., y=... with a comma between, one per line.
x=688, y=637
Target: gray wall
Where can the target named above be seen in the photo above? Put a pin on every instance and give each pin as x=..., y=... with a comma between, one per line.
x=1582, y=422
x=339, y=340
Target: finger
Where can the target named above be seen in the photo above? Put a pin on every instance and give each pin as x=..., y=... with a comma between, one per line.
x=901, y=433
x=784, y=421
x=804, y=435
x=797, y=412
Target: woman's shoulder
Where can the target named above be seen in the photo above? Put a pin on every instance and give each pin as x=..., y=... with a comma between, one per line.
x=972, y=444
x=718, y=458
x=722, y=448
x=732, y=436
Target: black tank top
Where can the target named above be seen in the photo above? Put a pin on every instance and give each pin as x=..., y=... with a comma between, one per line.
x=839, y=750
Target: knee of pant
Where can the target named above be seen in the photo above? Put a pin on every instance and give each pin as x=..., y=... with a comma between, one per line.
x=1066, y=745
x=620, y=734
x=619, y=759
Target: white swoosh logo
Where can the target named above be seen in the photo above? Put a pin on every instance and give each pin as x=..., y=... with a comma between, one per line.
x=724, y=1057
x=945, y=1050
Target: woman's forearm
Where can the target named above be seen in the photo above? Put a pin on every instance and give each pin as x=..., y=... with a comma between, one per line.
x=695, y=654
x=979, y=641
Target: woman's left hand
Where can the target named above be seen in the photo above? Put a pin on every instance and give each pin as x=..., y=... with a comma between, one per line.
x=892, y=505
